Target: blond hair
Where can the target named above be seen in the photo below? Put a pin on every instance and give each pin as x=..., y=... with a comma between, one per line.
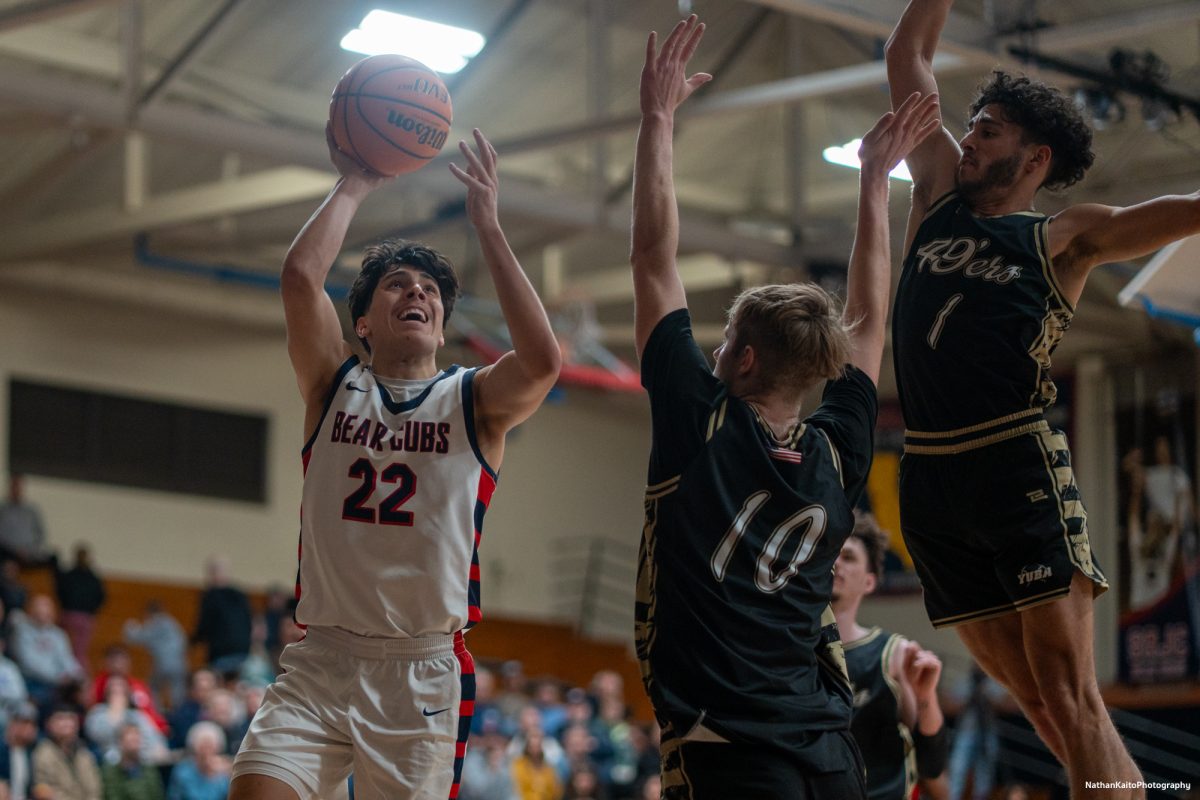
x=797, y=332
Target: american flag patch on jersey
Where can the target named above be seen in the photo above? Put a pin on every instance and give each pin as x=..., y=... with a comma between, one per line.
x=786, y=455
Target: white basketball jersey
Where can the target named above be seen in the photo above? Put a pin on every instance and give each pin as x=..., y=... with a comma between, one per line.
x=395, y=490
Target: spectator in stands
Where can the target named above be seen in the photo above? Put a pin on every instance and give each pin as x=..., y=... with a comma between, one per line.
x=12, y=594
x=204, y=773
x=223, y=620
x=80, y=595
x=512, y=697
x=547, y=696
x=222, y=707
x=22, y=535
x=533, y=777
x=581, y=712
x=258, y=668
x=529, y=724
x=163, y=636
x=487, y=769
x=129, y=776
x=280, y=605
x=651, y=788
x=13, y=692
x=976, y=745
x=42, y=651
x=579, y=748
x=105, y=721
x=645, y=740
x=16, y=753
x=191, y=710
x=118, y=663
x=62, y=762
x=487, y=716
x=584, y=784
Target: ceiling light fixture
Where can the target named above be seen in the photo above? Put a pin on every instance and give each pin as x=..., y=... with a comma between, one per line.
x=443, y=48
x=846, y=155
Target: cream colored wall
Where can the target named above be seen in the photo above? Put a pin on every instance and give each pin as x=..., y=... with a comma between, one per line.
x=576, y=468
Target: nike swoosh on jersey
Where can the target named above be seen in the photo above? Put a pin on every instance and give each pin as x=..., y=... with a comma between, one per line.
x=357, y=388
x=429, y=713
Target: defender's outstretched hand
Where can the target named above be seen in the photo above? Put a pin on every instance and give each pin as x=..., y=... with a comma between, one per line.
x=480, y=179
x=897, y=132
x=664, y=85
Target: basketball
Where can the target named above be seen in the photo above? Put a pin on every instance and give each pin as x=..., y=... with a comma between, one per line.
x=390, y=113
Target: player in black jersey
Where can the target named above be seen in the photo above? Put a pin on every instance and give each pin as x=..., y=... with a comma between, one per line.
x=747, y=503
x=989, y=506
x=897, y=721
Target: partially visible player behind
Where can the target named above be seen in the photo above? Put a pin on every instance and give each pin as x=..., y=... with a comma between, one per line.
x=747, y=503
x=897, y=721
x=399, y=467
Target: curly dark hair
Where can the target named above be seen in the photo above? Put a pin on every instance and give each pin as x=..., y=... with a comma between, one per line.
x=1046, y=116
x=873, y=539
x=380, y=259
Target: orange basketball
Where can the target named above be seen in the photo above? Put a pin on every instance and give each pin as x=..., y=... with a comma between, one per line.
x=390, y=113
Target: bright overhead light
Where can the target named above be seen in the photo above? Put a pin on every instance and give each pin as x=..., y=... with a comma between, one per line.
x=846, y=155
x=443, y=48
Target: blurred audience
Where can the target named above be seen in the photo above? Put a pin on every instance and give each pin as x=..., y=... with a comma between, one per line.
x=118, y=663
x=64, y=763
x=22, y=535
x=203, y=682
x=487, y=771
x=42, y=651
x=106, y=720
x=80, y=595
x=204, y=773
x=16, y=754
x=163, y=636
x=223, y=620
x=533, y=777
x=129, y=776
x=13, y=692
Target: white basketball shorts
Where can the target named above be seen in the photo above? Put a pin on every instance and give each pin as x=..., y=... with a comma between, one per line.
x=395, y=712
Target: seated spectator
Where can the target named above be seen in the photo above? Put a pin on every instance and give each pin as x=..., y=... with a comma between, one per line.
x=579, y=747
x=163, y=636
x=547, y=696
x=529, y=723
x=486, y=716
x=16, y=752
x=223, y=708
x=513, y=696
x=106, y=720
x=129, y=777
x=62, y=762
x=533, y=777
x=22, y=536
x=42, y=650
x=191, y=710
x=117, y=663
x=584, y=784
x=204, y=773
x=258, y=668
x=13, y=692
x=487, y=772
x=223, y=622
x=80, y=595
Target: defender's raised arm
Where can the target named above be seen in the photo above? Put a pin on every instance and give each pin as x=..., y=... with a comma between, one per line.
x=657, y=289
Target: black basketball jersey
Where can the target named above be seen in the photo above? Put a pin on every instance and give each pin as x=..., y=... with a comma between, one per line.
x=884, y=741
x=977, y=315
x=741, y=531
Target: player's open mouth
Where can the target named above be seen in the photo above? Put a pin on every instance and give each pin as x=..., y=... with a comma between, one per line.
x=414, y=315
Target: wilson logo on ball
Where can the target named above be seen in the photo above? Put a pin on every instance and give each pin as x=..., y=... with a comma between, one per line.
x=390, y=113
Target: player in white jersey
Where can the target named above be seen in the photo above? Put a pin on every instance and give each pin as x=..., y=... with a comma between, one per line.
x=399, y=466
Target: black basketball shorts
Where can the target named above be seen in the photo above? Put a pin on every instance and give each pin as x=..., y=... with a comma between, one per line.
x=994, y=529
